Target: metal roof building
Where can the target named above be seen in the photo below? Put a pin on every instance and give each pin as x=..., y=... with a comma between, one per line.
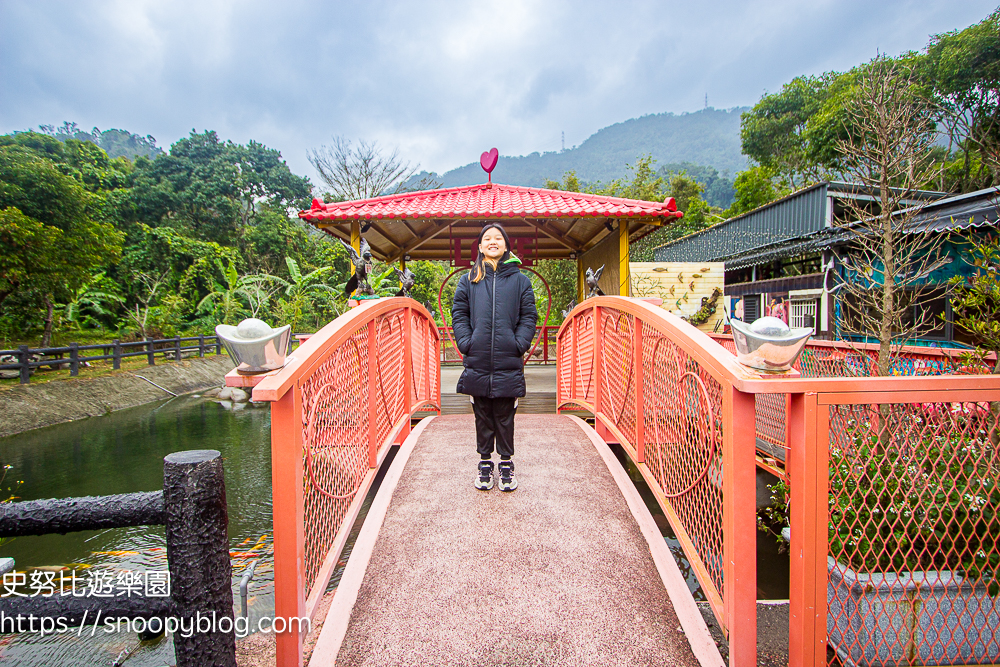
x=808, y=212
x=781, y=252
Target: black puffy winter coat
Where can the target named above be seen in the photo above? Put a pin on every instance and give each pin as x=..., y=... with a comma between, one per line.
x=494, y=323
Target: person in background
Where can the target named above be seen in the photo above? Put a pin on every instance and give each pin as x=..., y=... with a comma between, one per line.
x=493, y=317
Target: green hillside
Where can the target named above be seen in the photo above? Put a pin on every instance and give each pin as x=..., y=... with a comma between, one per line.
x=116, y=143
x=709, y=138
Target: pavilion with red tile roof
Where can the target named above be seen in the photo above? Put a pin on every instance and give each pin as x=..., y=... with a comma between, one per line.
x=543, y=224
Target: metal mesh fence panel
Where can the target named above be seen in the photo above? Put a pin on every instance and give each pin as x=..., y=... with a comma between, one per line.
x=334, y=444
x=618, y=370
x=344, y=411
x=914, y=564
x=682, y=412
x=585, y=358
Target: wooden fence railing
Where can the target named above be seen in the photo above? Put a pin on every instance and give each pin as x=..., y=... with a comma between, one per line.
x=26, y=359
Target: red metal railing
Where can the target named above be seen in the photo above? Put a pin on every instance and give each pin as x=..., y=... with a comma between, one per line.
x=823, y=358
x=542, y=341
x=669, y=394
x=894, y=485
x=345, y=396
x=895, y=499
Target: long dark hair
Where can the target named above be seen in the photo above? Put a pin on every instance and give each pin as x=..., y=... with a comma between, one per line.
x=478, y=271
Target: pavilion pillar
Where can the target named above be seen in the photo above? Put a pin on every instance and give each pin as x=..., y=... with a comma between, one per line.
x=623, y=275
x=355, y=239
x=581, y=283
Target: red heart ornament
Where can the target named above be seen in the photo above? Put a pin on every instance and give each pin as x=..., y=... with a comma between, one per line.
x=488, y=160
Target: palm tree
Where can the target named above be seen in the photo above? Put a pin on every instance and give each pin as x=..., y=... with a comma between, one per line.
x=302, y=290
x=90, y=301
x=223, y=299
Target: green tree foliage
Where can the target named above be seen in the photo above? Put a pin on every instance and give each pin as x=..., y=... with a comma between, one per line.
x=116, y=143
x=775, y=133
x=718, y=188
x=796, y=132
x=212, y=189
x=641, y=183
x=427, y=280
x=560, y=274
x=570, y=183
x=223, y=302
x=975, y=301
x=92, y=304
x=53, y=235
x=687, y=192
x=961, y=71
x=754, y=187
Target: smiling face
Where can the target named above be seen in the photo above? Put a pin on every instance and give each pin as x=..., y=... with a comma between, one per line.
x=492, y=246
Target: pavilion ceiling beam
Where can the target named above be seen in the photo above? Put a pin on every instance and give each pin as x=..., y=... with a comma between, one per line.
x=422, y=239
x=410, y=229
x=600, y=236
x=544, y=228
x=573, y=226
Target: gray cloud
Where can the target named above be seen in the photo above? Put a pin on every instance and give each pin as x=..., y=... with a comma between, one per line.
x=442, y=80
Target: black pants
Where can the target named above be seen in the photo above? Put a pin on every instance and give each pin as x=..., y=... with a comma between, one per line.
x=494, y=423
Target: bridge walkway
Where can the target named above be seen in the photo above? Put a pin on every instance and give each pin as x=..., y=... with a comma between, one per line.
x=567, y=570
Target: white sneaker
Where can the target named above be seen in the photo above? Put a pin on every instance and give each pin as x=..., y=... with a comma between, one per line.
x=484, y=478
x=507, y=480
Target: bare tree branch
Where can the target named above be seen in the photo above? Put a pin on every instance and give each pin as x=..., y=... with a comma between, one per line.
x=360, y=172
x=888, y=153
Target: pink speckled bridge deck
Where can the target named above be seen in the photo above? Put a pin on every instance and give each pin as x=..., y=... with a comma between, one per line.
x=555, y=573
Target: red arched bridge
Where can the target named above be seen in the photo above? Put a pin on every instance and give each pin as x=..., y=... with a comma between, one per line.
x=893, y=489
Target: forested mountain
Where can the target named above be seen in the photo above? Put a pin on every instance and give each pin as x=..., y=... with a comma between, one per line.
x=710, y=138
x=116, y=143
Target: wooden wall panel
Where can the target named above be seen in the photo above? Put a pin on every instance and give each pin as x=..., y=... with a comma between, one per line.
x=682, y=286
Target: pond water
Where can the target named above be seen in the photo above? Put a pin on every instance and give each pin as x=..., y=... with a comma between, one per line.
x=121, y=453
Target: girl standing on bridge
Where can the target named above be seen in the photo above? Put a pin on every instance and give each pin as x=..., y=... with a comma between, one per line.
x=493, y=316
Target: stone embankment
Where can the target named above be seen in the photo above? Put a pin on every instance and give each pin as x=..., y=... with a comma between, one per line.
x=30, y=406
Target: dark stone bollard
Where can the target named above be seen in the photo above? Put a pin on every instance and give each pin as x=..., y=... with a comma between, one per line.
x=194, y=504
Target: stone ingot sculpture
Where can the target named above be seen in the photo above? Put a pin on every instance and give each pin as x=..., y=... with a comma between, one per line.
x=592, y=278
x=768, y=344
x=362, y=262
x=255, y=346
x=407, y=279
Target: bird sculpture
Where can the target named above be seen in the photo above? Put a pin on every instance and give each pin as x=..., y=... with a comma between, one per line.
x=362, y=262
x=407, y=280
x=569, y=307
x=592, y=278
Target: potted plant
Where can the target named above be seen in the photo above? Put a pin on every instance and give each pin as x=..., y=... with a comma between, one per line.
x=914, y=559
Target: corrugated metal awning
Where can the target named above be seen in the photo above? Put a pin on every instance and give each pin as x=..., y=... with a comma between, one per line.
x=811, y=244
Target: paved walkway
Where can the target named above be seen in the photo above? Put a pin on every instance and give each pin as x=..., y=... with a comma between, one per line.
x=555, y=573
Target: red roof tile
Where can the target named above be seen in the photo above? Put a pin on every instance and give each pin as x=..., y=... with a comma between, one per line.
x=489, y=201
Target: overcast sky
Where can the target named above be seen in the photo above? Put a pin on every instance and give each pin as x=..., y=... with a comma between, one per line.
x=442, y=81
